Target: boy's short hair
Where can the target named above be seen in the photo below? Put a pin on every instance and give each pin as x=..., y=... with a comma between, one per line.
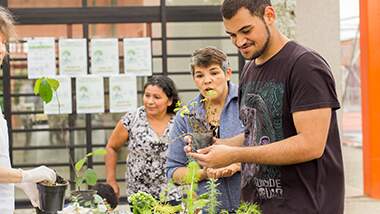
x=107, y=192
x=208, y=56
x=256, y=7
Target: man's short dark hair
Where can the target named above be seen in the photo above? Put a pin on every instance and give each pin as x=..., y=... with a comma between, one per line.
x=256, y=7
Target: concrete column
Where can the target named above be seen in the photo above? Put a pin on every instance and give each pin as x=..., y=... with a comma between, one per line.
x=318, y=27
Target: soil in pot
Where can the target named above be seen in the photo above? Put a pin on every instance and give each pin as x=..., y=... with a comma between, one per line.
x=201, y=140
x=52, y=196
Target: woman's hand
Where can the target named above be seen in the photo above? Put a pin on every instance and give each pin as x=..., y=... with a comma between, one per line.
x=115, y=187
x=227, y=171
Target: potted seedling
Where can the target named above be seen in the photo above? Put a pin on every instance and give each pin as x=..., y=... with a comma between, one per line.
x=202, y=129
x=51, y=195
x=84, y=175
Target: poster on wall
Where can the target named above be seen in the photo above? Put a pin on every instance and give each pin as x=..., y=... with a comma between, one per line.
x=90, y=94
x=123, y=93
x=61, y=102
x=41, y=58
x=137, y=56
x=104, y=57
x=72, y=57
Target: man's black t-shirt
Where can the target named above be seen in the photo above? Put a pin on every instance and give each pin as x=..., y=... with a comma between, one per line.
x=295, y=79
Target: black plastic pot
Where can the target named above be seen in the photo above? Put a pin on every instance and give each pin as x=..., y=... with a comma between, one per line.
x=51, y=197
x=85, y=197
x=201, y=140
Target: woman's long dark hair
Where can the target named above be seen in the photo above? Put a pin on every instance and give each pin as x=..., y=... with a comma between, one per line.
x=168, y=86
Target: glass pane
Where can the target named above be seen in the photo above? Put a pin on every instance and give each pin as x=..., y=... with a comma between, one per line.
x=120, y=30
x=156, y=30
x=185, y=29
x=157, y=65
x=40, y=156
x=188, y=46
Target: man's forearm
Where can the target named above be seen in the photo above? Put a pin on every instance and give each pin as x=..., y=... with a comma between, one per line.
x=237, y=140
x=292, y=150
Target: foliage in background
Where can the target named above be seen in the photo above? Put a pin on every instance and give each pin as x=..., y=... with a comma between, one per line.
x=286, y=17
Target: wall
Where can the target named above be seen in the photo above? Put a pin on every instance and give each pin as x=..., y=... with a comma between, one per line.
x=318, y=27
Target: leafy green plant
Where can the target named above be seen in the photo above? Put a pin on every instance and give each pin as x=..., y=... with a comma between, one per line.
x=88, y=175
x=197, y=123
x=248, y=208
x=191, y=202
x=44, y=88
x=213, y=193
x=98, y=205
x=142, y=203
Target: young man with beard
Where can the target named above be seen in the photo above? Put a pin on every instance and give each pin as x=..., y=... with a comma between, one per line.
x=291, y=153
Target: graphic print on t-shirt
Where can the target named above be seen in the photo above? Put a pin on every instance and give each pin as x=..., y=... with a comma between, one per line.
x=261, y=114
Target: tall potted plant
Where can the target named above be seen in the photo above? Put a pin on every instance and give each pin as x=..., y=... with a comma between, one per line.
x=51, y=195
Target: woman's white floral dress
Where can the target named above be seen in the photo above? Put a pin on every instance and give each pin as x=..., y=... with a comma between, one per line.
x=146, y=154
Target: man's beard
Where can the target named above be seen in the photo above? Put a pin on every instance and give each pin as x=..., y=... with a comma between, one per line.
x=260, y=52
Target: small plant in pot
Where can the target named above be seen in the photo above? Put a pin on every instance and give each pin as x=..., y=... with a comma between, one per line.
x=85, y=197
x=203, y=129
x=51, y=195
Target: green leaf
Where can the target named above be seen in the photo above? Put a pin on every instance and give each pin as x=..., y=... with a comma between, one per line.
x=211, y=93
x=37, y=86
x=99, y=152
x=90, y=177
x=178, y=104
x=79, y=164
x=79, y=181
x=45, y=91
x=54, y=84
x=200, y=203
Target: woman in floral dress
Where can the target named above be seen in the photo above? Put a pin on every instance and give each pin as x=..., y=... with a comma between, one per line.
x=146, y=132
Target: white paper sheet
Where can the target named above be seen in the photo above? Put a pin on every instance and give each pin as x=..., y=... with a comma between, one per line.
x=123, y=93
x=41, y=58
x=137, y=56
x=104, y=57
x=90, y=94
x=72, y=57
